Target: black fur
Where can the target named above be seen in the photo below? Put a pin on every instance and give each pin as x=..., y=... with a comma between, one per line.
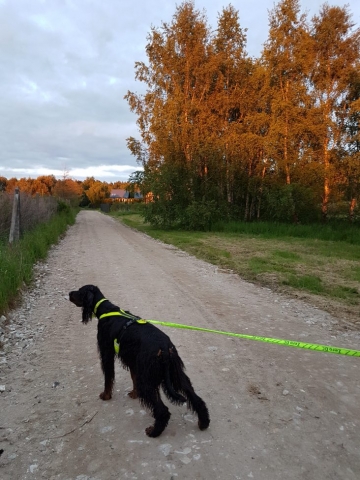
x=148, y=353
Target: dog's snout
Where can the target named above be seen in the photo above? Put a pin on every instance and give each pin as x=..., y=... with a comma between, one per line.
x=74, y=298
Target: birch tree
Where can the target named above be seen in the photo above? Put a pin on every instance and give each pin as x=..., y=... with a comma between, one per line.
x=286, y=58
x=335, y=56
x=170, y=113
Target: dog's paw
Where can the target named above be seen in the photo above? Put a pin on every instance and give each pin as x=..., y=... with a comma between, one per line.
x=149, y=431
x=203, y=425
x=133, y=394
x=105, y=396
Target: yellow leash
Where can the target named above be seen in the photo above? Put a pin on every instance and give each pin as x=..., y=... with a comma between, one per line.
x=277, y=341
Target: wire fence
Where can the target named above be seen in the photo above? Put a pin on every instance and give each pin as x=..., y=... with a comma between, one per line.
x=31, y=211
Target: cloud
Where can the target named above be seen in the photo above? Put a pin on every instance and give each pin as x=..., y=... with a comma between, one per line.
x=65, y=68
x=109, y=173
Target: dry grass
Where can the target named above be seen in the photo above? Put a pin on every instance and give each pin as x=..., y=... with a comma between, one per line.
x=33, y=210
x=324, y=273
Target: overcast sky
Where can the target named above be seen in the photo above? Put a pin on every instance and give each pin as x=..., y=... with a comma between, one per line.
x=65, y=66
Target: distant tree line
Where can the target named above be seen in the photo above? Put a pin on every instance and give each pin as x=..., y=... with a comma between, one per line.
x=227, y=135
x=89, y=192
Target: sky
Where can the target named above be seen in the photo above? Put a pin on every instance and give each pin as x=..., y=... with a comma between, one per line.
x=65, y=66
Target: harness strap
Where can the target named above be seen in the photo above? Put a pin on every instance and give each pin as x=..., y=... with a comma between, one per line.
x=132, y=319
x=98, y=303
x=130, y=322
x=110, y=314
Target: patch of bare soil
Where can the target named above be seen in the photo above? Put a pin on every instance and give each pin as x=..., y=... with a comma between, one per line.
x=276, y=412
x=348, y=315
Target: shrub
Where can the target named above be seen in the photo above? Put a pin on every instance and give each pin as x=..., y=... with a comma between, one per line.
x=290, y=203
x=63, y=207
x=200, y=215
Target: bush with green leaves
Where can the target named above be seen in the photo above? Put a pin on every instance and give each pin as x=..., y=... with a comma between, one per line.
x=290, y=203
x=200, y=215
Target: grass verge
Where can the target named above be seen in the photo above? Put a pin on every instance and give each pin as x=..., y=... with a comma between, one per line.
x=17, y=260
x=306, y=265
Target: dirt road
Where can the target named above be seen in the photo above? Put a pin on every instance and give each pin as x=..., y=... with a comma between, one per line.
x=276, y=412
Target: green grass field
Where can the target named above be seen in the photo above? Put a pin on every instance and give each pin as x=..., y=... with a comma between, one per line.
x=300, y=262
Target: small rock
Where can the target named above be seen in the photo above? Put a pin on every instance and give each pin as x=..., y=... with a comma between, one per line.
x=212, y=349
x=165, y=448
x=285, y=392
x=185, y=460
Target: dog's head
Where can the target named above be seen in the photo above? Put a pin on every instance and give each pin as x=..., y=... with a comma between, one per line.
x=85, y=298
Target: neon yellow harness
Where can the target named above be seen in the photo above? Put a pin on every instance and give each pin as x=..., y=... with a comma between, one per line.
x=120, y=313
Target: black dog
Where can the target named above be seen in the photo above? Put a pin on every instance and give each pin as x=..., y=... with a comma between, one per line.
x=147, y=352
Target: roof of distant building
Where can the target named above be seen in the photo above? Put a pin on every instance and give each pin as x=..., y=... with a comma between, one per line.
x=122, y=193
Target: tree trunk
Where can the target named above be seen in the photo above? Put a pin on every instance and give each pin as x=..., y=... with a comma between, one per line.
x=246, y=214
x=352, y=209
x=260, y=192
x=326, y=193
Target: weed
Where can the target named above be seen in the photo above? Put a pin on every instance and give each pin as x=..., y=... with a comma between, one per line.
x=310, y=283
x=17, y=260
x=286, y=255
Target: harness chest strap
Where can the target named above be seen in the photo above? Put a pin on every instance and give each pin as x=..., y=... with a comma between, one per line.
x=121, y=313
x=130, y=322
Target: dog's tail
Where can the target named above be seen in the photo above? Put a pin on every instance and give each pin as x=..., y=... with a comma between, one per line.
x=171, y=363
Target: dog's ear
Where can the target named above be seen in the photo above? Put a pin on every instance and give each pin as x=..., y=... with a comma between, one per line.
x=87, y=305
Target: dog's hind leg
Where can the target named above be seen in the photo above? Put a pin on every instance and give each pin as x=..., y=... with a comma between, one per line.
x=198, y=405
x=182, y=383
x=159, y=411
x=194, y=402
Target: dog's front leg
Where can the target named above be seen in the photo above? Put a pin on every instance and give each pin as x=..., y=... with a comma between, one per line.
x=133, y=394
x=108, y=368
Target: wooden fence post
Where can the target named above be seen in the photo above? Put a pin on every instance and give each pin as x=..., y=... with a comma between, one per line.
x=15, y=219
